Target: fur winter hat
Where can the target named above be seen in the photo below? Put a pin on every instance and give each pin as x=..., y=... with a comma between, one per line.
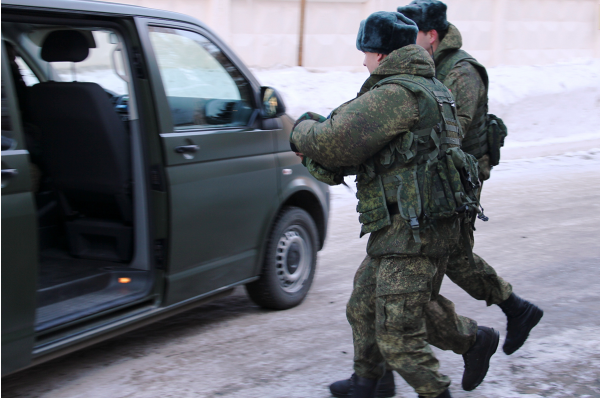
x=383, y=32
x=427, y=14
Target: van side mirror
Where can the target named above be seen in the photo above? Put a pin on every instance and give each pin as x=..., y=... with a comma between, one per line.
x=272, y=104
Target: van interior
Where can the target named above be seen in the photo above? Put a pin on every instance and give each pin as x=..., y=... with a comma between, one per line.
x=93, y=251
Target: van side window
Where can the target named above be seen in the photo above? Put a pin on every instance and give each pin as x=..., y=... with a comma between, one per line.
x=203, y=87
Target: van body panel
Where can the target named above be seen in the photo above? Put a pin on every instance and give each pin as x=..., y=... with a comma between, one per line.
x=208, y=215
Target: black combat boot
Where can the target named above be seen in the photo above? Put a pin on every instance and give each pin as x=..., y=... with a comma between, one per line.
x=477, y=359
x=385, y=388
x=445, y=394
x=522, y=317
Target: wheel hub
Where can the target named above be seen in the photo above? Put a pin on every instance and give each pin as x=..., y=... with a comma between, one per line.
x=293, y=261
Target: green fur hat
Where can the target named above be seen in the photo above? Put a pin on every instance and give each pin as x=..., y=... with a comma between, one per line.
x=427, y=14
x=383, y=32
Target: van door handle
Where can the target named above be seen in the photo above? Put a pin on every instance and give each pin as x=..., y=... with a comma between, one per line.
x=8, y=174
x=187, y=149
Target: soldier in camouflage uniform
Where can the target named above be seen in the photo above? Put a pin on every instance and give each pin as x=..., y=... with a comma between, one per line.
x=468, y=81
x=400, y=136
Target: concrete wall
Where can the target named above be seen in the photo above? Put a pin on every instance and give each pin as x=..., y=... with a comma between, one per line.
x=513, y=32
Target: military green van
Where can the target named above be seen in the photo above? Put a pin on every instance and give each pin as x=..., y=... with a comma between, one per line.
x=144, y=172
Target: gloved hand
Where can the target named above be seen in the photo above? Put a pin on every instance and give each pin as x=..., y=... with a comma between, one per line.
x=309, y=116
x=306, y=116
x=329, y=177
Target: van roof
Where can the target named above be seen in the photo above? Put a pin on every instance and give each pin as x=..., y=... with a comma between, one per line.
x=100, y=7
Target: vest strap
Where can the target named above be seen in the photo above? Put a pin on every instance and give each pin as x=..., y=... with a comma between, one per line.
x=451, y=141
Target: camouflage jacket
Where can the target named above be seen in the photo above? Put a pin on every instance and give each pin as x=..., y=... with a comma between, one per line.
x=358, y=130
x=468, y=86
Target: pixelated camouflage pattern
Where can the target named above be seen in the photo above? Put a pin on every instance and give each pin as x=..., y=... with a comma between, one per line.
x=470, y=92
x=372, y=207
x=396, y=311
x=396, y=159
x=480, y=282
x=466, y=84
x=359, y=129
x=435, y=189
x=329, y=177
x=309, y=116
x=436, y=240
x=395, y=300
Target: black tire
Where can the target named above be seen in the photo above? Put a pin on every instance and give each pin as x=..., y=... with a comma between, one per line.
x=290, y=261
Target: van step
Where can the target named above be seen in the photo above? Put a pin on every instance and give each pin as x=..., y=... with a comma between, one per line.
x=73, y=288
x=56, y=270
x=124, y=286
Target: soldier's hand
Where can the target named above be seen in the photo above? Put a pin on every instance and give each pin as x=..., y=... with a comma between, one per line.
x=309, y=116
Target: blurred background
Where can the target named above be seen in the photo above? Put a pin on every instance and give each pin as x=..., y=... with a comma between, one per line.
x=265, y=33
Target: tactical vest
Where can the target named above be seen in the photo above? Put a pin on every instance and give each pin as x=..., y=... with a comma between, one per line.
x=422, y=175
x=475, y=141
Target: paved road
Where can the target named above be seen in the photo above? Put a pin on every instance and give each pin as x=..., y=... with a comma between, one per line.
x=542, y=236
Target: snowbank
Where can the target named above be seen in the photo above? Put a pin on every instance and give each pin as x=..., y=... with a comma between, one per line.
x=510, y=84
x=321, y=92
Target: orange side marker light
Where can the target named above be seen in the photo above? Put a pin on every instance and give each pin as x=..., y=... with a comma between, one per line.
x=124, y=280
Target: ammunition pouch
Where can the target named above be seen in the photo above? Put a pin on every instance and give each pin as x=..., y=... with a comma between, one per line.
x=486, y=136
x=496, y=132
x=374, y=214
x=443, y=187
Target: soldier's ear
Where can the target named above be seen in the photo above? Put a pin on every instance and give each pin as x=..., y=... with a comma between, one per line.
x=433, y=36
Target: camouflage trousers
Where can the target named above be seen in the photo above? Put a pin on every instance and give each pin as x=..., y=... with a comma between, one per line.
x=396, y=311
x=480, y=281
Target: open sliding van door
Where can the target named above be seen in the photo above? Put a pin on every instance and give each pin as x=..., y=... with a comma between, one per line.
x=19, y=234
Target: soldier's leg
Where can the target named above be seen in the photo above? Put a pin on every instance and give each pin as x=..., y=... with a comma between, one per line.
x=483, y=283
x=403, y=291
x=446, y=329
x=449, y=331
x=360, y=311
x=480, y=281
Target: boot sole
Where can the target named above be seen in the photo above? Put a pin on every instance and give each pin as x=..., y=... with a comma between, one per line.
x=378, y=394
x=491, y=351
x=539, y=313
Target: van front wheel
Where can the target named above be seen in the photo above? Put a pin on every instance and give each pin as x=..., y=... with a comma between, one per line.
x=290, y=261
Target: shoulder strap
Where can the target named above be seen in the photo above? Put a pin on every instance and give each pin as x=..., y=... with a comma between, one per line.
x=443, y=68
x=441, y=94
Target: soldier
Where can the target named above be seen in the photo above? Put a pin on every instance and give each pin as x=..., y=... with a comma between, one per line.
x=468, y=81
x=401, y=138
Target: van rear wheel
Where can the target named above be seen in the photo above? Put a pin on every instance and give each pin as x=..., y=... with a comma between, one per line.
x=290, y=261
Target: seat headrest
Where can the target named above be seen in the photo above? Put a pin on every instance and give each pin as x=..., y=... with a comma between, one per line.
x=65, y=46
